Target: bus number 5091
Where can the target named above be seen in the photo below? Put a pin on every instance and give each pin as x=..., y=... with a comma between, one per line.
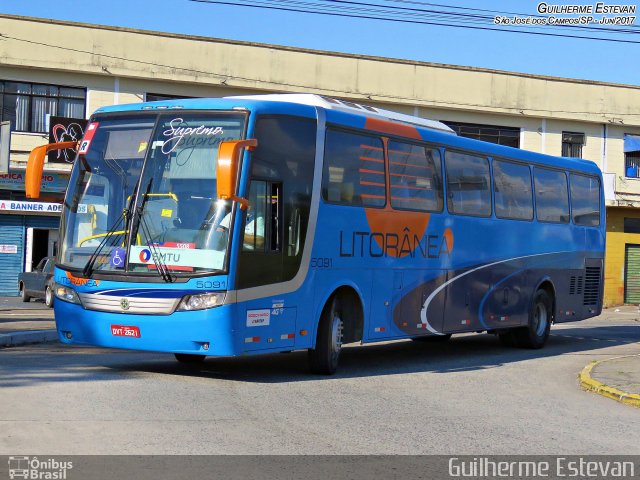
x=322, y=262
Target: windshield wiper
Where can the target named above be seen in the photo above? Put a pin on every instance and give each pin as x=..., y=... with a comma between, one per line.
x=88, y=267
x=161, y=267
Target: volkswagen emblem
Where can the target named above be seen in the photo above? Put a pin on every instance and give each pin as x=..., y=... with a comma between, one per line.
x=124, y=303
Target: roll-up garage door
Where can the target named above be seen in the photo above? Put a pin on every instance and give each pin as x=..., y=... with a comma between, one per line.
x=11, y=253
x=632, y=274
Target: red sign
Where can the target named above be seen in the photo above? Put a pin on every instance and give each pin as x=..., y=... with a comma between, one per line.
x=88, y=136
x=125, y=331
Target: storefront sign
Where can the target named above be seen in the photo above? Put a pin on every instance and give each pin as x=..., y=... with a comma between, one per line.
x=8, y=249
x=51, y=182
x=38, y=207
x=62, y=129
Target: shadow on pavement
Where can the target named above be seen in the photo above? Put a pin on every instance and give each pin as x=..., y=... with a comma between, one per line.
x=53, y=363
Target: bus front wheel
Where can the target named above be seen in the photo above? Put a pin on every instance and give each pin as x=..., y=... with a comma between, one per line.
x=324, y=358
x=535, y=334
x=189, y=358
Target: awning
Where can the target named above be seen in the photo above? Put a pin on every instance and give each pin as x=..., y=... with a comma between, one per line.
x=631, y=143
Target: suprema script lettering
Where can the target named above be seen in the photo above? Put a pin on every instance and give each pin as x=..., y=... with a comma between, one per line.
x=180, y=134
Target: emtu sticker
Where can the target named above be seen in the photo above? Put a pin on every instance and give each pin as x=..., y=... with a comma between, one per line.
x=258, y=318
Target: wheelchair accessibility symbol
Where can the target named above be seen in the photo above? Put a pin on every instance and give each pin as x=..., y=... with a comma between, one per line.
x=117, y=258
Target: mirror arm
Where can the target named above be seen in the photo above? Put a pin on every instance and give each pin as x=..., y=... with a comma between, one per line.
x=35, y=165
x=228, y=161
x=244, y=203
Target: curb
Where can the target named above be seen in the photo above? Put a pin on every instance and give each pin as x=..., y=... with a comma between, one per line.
x=590, y=384
x=16, y=339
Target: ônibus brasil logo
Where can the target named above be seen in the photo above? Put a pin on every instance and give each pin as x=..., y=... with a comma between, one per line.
x=34, y=468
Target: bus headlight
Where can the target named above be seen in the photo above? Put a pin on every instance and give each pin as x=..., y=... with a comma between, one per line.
x=202, y=301
x=66, y=294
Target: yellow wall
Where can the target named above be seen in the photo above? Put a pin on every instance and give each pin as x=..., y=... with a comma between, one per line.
x=615, y=254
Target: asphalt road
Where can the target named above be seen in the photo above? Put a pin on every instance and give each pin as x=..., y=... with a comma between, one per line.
x=470, y=396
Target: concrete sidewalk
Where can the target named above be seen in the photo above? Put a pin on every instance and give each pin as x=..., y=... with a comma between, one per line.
x=617, y=378
x=25, y=323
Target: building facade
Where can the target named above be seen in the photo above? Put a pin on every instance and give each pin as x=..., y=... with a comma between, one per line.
x=62, y=69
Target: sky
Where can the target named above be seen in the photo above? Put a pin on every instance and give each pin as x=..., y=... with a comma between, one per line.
x=536, y=54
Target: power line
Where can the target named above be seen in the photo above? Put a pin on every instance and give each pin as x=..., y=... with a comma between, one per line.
x=339, y=93
x=333, y=13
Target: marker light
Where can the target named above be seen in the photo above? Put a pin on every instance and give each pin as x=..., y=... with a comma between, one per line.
x=202, y=301
x=66, y=294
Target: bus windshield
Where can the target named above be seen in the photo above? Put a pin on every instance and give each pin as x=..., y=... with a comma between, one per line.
x=143, y=193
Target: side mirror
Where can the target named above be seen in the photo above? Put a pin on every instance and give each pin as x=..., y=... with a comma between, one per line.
x=35, y=165
x=227, y=168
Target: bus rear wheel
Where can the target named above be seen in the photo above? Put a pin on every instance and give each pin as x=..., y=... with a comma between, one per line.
x=536, y=333
x=324, y=358
x=189, y=358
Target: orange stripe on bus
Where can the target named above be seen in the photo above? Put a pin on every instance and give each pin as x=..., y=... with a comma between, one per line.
x=392, y=128
x=369, y=159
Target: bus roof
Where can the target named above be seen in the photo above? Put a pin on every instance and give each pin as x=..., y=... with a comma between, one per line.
x=339, y=110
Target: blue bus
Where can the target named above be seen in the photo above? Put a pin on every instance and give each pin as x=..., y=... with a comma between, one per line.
x=261, y=224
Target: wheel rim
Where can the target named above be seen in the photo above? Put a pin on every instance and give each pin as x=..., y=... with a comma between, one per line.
x=540, y=319
x=47, y=296
x=336, y=336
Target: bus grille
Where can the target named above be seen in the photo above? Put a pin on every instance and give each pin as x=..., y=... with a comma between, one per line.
x=135, y=305
x=591, y=286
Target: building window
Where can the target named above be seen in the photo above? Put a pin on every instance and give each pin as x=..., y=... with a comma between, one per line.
x=158, y=97
x=508, y=136
x=572, y=143
x=631, y=155
x=631, y=225
x=26, y=105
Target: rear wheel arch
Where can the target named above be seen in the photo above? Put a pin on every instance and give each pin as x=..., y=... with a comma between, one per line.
x=351, y=308
x=547, y=285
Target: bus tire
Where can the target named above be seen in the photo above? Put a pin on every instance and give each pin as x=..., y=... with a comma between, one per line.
x=324, y=358
x=535, y=334
x=433, y=338
x=189, y=358
x=23, y=294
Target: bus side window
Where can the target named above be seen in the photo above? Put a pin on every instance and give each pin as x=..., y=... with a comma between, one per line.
x=468, y=184
x=585, y=200
x=415, y=177
x=552, y=196
x=353, y=169
x=512, y=187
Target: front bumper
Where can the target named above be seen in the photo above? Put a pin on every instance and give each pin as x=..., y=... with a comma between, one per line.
x=204, y=332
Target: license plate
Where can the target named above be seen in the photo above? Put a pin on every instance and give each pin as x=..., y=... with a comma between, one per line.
x=125, y=331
